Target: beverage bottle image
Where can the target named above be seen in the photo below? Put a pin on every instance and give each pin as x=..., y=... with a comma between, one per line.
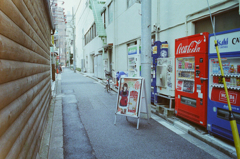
x=214, y=70
x=186, y=64
x=183, y=64
x=180, y=64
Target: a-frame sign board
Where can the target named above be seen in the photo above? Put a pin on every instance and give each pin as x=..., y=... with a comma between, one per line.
x=131, y=99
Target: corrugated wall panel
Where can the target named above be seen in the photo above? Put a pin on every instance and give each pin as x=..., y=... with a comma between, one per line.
x=9, y=8
x=11, y=50
x=33, y=121
x=25, y=89
x=9, y=29
x=25, y=12
x=19, y=69
x=33, y=13
x=15, y=89
x=10, y=113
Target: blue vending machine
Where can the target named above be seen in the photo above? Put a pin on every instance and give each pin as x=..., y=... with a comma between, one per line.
x=217, y=111
x=158, y=51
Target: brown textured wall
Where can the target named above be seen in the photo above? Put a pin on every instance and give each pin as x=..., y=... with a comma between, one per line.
x=25, y=90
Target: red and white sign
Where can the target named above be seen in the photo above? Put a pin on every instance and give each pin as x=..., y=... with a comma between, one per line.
x=180, y=85
x=219, y=95
x=232, y=97
x=192, y=44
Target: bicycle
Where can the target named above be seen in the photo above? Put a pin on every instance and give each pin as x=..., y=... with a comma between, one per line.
x=109, y=77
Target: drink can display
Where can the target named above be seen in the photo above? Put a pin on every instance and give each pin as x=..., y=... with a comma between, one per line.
x=186, y=64
x=183, y=64
x=190, y=65
x=238, y=68
x=238, y=81
x=233, y=82
x=228, y=80
x=220, y=80
x=215, y=79
x=231, y=69
x=180, y=64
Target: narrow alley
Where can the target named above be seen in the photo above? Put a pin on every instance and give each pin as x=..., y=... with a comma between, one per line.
x=89, y=132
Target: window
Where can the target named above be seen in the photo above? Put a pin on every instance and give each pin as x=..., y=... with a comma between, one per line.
x=227, y=21
x=104, y=18
x=224, y=21
x=130, y=3
x=91, y=34
x=203, y=25
x=110, y=13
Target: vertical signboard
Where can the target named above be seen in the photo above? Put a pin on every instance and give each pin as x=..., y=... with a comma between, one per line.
x=131, y=98
x=128, y=96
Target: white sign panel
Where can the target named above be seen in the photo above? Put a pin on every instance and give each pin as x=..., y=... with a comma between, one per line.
x=228, y=42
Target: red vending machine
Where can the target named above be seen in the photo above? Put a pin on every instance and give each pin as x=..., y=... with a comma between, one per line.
x=191, y=63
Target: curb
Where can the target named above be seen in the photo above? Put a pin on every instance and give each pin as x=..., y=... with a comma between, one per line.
x=213, y=142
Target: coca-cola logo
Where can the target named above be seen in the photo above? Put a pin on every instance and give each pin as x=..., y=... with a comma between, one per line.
x=232, y=97
x=191, y=48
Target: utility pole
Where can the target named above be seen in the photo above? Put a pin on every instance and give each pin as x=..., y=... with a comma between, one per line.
x=74, y=49
x=146, y=48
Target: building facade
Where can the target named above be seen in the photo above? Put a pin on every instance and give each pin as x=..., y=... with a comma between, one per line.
x=122, y=23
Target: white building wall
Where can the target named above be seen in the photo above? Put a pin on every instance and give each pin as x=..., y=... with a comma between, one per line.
x=121, y=58
x=83, y=21
x=169, y=15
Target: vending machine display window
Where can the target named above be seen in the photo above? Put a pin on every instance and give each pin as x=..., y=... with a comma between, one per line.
x=231, y=69
x=132, y=69
x=134, y=62
x=185, y=74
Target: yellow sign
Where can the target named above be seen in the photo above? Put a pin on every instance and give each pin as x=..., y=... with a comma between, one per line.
x=155, y=50
x=53, y=39
x=164, y=46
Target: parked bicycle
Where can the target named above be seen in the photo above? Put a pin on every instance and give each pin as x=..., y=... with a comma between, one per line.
x=109, y=79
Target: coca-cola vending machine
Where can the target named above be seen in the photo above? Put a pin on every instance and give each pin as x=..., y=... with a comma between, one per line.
x=218, y=114
x=191, y=63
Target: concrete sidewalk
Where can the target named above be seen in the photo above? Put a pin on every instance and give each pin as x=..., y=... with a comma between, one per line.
x=52, y=140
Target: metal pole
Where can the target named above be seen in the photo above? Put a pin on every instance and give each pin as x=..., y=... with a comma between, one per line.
x=74, y=49
x=146, y=48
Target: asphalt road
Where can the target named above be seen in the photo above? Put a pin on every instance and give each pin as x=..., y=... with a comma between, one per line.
x=89, y=130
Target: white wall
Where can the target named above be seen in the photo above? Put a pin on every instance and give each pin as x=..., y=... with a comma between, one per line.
x=121, y=58
x=84, y=20
x=170, y=15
